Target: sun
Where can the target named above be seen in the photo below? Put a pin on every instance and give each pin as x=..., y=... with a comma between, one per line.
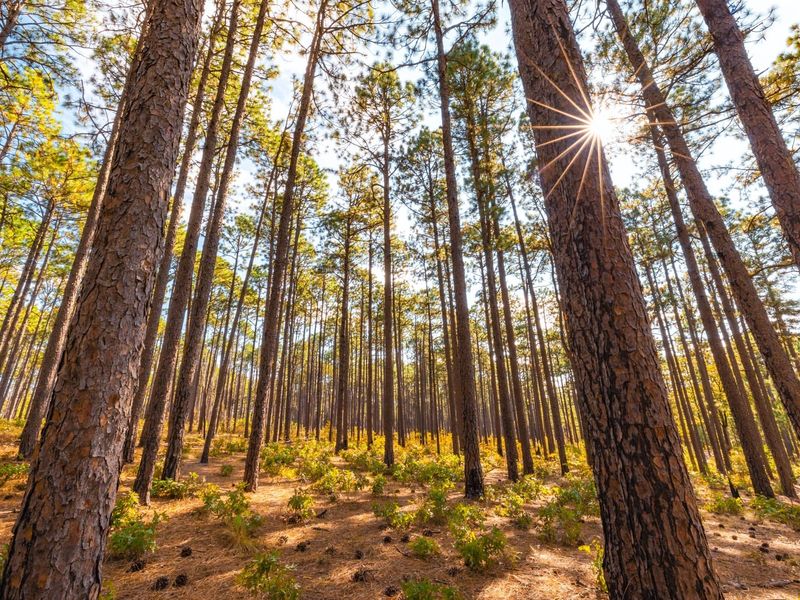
x=600, y=126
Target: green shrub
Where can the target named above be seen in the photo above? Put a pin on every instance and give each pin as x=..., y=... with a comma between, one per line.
x=424, y=589
x=131, y=535
x=234, y=511
x=169, y=488
x=266, y=576
x=394, y=517
x=226, y=470
x=562, y=515
x=462, y=518
x=775, y=510
x=435, y=508
x=378, y=485
x=275, y=456
x=366, y=459
x=13, y=470
x=479, y=550
x=301, y=504
x=595, y=551
x=725, y=505
x=336, y=481
x=424, y=547
x=428, y=470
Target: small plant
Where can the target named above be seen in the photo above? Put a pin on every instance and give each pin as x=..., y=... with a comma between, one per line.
x=725, y=505
x=235, y=512
x=424, y=547
x=435, y=509
x=266, y=576
x=226, y=470
x=275, y=456
x=176, y=490
x=13, y=470
x=301, y=504
x=562, y=515
x=775, y=510
x=378, y=485
x=131, y=535
x=595, y=551
x=462, y=518
x=394, y=517
x=424, y=589
x=479, y=550
x=336, y=481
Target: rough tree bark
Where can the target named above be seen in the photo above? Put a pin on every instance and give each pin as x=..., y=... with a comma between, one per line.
x=60, y=534
x=655, y=546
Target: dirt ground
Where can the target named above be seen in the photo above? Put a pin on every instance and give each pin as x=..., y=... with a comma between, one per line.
x=348, y=537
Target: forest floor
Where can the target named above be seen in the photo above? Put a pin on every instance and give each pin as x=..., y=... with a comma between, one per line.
x=345, y=551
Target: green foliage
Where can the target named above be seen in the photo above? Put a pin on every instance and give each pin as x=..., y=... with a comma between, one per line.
x=462, y=518
x=595, y=551
x=424, y=547
x=428, y=470
x=301, y=504
x=394, y=517
x=314, y=461
x=266, y=576
x=13, y=470
x=378, y=485
x=562, y=515
x=275, y=456
x=235, y=512
x=335, y=481
x=226, y=470
x=775, y=510
x=424, y=589
x=132, y=536
x=435, y=509
x=169, y=488
x=366, y=459
x=721, y=504
x=480, y=550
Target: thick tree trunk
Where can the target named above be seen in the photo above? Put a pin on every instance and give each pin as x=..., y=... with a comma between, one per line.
x=655, y=546
x=60, y=534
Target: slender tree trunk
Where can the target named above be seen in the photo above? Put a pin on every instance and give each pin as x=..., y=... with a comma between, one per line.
x=473, y=473
x=181, y=289
x=775, y=162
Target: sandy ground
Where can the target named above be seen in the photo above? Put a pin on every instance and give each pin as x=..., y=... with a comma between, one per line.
x=325, y=551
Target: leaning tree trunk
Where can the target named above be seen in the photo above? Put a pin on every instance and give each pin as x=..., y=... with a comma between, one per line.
x=774, y=159
x=704, y=210
x=181, y=288
x=60, y=535
x=655, y=546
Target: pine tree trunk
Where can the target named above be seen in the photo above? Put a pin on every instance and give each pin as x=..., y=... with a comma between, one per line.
x=703, y=207
x=60, y=534
x=775, y=162
x=655, y=546
x=473, y=472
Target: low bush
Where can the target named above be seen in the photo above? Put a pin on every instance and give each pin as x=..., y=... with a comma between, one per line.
x=775, y=510
x=266, y=576
x=132, y=536
x=394, y=517
x=595, y=551
x=177, y=490
x=424, y=589
x=424, y=547
x=301, y=505
x=480, y=550
x=275, y=456
x=378, y=485
x=235, y=512
x=725, y=505
x=13, y=470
